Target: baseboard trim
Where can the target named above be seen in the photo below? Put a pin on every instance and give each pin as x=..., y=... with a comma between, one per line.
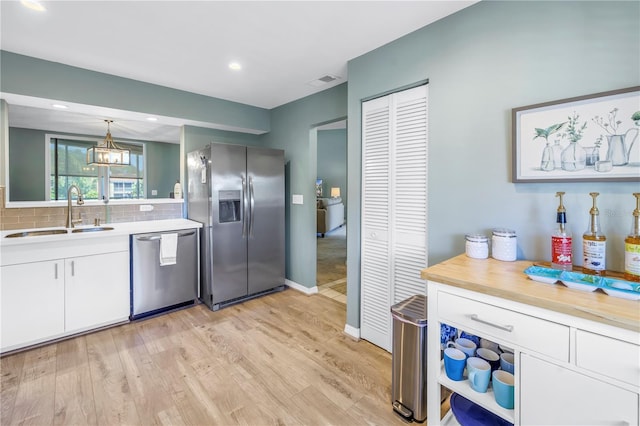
x=306, y=290
x=352, y=331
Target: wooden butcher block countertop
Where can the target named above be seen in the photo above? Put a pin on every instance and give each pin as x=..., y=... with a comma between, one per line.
x=508, y=281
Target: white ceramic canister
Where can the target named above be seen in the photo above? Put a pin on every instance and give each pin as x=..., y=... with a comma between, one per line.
x=476, y=246
x=504, y=244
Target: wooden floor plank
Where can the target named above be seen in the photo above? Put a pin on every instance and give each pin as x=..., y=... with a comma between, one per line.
x=10, y=373
x=74, y=401
x=281, y=359
x=114, y=404
x=34, y=402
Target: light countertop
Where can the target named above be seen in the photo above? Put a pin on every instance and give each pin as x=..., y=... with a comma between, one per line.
x=119, y=229
x=508, y=281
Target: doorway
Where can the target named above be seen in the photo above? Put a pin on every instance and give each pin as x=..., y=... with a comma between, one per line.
x=331, y=207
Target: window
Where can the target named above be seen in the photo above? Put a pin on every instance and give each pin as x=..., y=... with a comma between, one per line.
x=68, y=165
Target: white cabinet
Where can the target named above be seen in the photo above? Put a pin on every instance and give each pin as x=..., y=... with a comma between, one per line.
x=31, y=302
x=554, y=395
x=394, y=207
x=96, y=290
x=568, y=370
x=70, y=287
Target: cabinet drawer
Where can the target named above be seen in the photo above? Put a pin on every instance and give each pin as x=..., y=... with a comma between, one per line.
x=507, y=326
x=610, y=357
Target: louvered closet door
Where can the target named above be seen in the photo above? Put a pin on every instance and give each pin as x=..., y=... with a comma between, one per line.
x=394, y=207
x=376, y=271
x=409, y=193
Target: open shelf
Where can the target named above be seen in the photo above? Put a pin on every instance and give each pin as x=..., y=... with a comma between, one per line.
x=485, y=400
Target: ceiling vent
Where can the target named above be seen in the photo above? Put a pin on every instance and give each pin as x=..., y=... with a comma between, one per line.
x=323, y=80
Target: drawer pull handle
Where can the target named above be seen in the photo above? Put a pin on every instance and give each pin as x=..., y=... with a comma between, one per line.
x=508, y=328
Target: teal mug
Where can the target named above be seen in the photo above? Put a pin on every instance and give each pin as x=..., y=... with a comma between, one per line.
x=503, y=388
x=479, y=373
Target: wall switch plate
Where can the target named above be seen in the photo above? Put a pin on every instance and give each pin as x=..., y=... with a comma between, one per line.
x=296, y=199
x=146, y=207
x=154, y=192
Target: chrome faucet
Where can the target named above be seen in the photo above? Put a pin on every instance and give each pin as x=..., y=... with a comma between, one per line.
x=80, y=202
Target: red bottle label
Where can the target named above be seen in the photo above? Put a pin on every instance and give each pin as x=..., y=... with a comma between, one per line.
x=561, y=250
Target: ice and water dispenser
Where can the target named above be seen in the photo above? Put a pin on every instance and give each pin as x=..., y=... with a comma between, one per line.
x=229, y=206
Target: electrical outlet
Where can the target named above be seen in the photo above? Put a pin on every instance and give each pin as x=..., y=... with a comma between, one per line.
x=154, y=192
x=146, y=207
x=296, y=199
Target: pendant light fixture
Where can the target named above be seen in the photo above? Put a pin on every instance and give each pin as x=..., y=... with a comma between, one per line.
x=107, y=153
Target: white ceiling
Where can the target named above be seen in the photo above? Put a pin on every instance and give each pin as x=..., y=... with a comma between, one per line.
x=187, y=45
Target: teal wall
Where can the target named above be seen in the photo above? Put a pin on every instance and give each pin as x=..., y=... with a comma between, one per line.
x=27, y=157
x=293, y=128
x=481, y=62
x=163, y=168
x=332, y=161
x=27, y=165
x=198, y=137
x=24, y=75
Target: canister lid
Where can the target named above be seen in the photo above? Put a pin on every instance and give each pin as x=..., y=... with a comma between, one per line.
x=504, y=232
x=476, y=238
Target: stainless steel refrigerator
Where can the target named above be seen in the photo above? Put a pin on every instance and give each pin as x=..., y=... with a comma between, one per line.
x=237, y=193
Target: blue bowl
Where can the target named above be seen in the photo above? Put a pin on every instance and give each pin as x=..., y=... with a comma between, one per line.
x=468, y=413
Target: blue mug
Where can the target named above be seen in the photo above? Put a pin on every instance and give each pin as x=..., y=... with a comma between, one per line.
x=503, y=388
x=454, y=362
x=507, y=362
x=490, y=356
x=465, y=345
x=447, y=334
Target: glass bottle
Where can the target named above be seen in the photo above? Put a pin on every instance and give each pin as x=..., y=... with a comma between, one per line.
x=557, y=153
x=573, y=157
x=594, y=243
x=561, y=253
x=593, y=155
x=547, y=164
x=632, y=246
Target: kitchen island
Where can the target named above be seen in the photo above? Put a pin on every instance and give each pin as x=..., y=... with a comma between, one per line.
x=577, y=354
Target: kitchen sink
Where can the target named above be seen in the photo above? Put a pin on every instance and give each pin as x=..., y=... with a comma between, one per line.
x=93, y=229
x=36, y=233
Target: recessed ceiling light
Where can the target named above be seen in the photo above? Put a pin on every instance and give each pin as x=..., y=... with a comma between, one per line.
x=59, y=106
x=235, y=66
x=152, y=119
x=33, y=5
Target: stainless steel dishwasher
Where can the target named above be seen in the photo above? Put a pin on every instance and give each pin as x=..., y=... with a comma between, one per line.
x=157, y=287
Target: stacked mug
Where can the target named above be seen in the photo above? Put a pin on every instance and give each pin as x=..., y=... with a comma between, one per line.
x=483, y=365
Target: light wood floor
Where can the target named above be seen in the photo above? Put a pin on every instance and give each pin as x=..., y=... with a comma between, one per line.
x=281, y=359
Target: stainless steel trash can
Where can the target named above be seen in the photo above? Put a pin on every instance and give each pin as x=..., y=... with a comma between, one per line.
x=409, y=358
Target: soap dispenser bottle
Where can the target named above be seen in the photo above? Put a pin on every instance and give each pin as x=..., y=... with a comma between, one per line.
x=632, y=246
x=561, y=254
x=594, y=243
x=177, y=190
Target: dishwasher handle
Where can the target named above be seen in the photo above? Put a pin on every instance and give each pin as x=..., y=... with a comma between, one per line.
x=157, y=237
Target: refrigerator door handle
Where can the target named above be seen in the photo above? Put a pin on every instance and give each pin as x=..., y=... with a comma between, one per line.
x=244, y=208
x=253, y=202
